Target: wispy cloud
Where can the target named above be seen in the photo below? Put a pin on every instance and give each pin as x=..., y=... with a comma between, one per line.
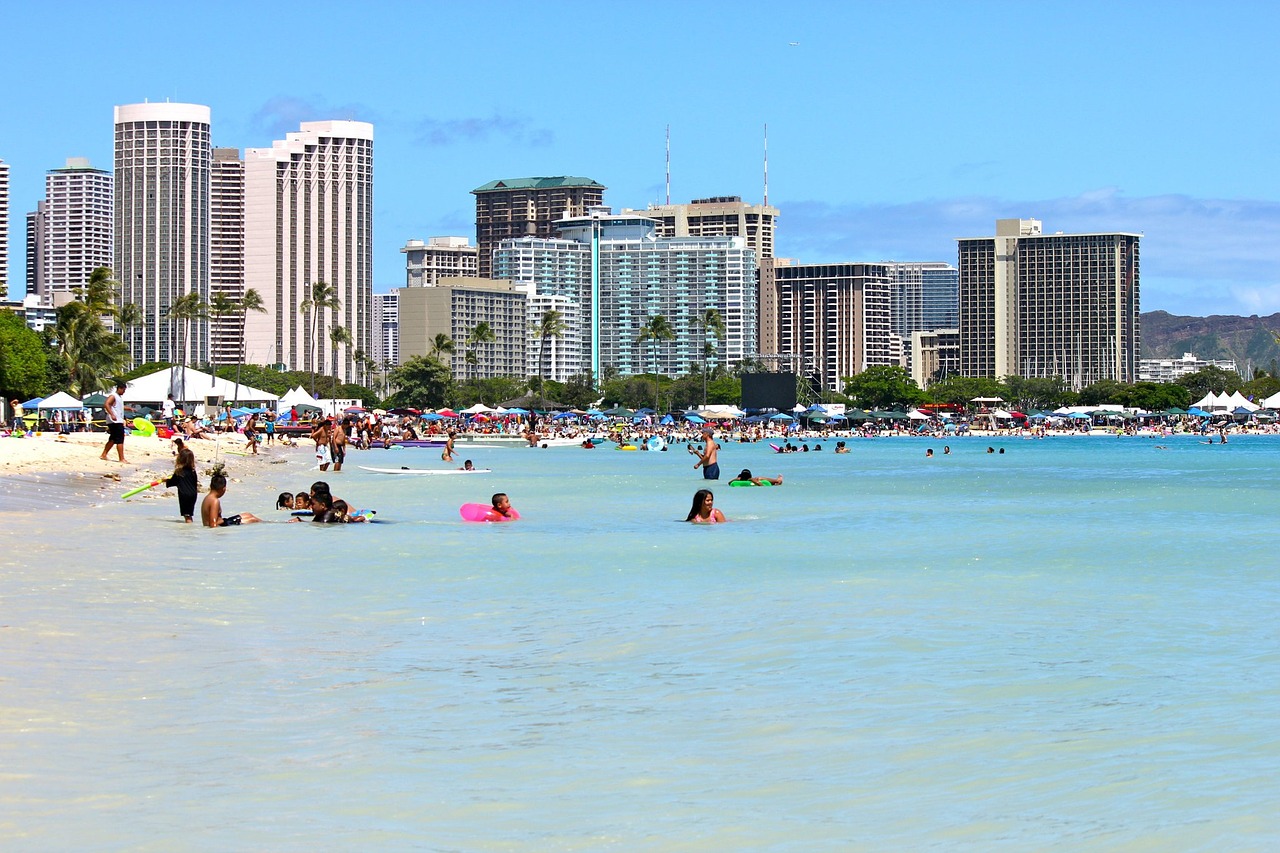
x=1198, y=254
x=283, y=113
x=438, y=132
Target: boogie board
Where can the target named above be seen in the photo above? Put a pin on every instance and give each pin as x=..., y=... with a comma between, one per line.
x=424, y=470
x=484, y=512
x=740, y=483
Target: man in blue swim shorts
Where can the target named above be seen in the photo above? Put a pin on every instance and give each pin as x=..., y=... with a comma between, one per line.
x=707, y=457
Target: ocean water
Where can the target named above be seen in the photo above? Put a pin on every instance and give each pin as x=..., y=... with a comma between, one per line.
x=1071, y=645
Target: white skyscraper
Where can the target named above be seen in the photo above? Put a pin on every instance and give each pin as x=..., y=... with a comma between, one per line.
x=309, y=219
x=162, y=162
x=4, y=229
x=226, y=254
x=75, y=234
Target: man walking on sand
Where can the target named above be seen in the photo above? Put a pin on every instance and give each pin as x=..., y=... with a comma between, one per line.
x=707, y=458
x=115, y=423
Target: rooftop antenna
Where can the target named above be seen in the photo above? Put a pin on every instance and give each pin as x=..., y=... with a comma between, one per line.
x=668, y=165
x=766, y=164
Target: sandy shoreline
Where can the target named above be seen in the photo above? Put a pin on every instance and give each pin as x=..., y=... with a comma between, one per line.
x=63, y=472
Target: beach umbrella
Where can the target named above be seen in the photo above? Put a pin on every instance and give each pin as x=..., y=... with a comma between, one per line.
x=781, y=417
x=618, y=412
x=666, y=420
x=446, y=413
x=432, y=416
x=694, y=419
x=837, y=417
x=517, y=411
x=95, y=401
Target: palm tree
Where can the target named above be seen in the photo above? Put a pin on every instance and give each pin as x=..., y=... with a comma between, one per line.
x=442, y=343
x=481, y=334
x=221, y=306
x=251, y=301
x=187, y=307
x=339, y=336
x=362, y=363
x=323, y=295
x=550, y=326
x=709, y=321
x=656, y=330
x=91, y=351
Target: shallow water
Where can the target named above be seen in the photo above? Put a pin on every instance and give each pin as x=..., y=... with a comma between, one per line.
x=1072, y=644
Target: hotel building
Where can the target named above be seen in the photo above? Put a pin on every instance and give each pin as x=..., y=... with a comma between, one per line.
x=226, y=256
x=528, y=207
x=72, y=229
x=4, y=229
x=730, y=216
x=440, y=257
x=161, y=207
x=455, y=306
x=1040, y=305
x=618, y=273
x=308, y=219
x=834, y=319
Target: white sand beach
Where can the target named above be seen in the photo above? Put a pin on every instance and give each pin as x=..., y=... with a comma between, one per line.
x=51, y=471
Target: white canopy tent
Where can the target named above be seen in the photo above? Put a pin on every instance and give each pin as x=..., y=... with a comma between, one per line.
x=296, y=396
x=62, y=401
x=1238, y=400
x=1272, y=402
x=194, y=388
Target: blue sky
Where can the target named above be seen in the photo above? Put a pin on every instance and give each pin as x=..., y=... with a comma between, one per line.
x=894, y=127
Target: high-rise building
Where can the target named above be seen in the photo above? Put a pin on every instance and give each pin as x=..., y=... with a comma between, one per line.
x=528, y=207
x=455, y=307
x=35, y=249
x=553, y=356
x=833, y=320
x=619, y=274
x=923, y=297
x=426, y=263
x=309, y=219
x=162, y=163
x=4, y=229
x=1040, y=305
x=730, y=216
x=73, y=228
x=226, y=256
x=386, y=329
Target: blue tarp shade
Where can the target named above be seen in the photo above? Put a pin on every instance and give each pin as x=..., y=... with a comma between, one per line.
x=694, y=419
x=516, y=411
x=666, y=419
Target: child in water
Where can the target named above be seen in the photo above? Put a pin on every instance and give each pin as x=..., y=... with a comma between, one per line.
x=703, y=510
x=184, y=479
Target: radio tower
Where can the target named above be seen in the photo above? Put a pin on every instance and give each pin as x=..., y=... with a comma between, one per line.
x=668, y=164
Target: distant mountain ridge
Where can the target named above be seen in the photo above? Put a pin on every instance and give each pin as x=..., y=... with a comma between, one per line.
x=1248, y=340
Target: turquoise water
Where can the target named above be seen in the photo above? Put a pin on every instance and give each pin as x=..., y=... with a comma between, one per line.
x=1070, y=645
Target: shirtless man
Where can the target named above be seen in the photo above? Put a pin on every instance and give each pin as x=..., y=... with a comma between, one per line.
x=211, y=506
x=707, y=458
x=337, y=445
x=320, y=435
x=114, y=407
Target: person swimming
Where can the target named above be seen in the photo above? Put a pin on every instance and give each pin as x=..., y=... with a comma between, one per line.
x=744, y=476
x=284, y=500
x=703, y=510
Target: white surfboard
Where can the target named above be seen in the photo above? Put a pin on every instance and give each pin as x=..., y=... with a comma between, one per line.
x=424, y=470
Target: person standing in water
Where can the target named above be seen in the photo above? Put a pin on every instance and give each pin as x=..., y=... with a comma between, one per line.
x=184, y=480
x=708, y=456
